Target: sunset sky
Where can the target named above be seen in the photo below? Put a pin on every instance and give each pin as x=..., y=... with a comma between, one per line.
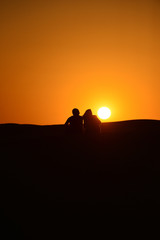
x=57, y=55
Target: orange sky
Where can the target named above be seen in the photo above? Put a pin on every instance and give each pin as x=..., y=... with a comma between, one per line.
x=57, y=55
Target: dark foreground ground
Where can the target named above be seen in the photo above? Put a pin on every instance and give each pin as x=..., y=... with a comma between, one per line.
x=49, y=180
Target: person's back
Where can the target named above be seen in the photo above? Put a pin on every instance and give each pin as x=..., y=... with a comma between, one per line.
x=74, y=123
x=91, y=123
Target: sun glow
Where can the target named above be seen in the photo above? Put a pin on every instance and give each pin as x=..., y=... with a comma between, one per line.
x=104, y=113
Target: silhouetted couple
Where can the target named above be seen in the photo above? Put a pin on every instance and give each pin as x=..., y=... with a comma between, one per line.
x=88, y=123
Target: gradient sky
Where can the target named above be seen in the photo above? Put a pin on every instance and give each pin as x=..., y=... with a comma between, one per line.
x=57, y=55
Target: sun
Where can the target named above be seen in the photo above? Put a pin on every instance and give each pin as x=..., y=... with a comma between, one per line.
x=104, y=113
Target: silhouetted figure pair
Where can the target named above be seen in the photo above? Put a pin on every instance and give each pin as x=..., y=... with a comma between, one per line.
x=89, y=122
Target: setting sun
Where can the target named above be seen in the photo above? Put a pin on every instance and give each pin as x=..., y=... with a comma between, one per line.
x=104, y=113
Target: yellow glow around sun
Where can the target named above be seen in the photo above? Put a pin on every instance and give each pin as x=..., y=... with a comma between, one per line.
x=104, y=113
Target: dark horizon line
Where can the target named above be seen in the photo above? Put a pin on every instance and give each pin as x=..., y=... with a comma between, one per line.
x=30, y=124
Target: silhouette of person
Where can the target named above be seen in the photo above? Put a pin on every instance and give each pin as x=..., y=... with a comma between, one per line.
x=91, y=124
x=74, y=123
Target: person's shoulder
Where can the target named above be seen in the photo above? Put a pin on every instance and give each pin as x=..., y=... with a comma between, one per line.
x=70, y=118
x=96, y=118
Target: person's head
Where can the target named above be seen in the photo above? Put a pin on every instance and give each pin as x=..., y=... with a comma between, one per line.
x=75, y=112
x=88, y=113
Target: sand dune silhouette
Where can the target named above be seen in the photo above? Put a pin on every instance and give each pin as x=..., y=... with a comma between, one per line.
x=41, y=167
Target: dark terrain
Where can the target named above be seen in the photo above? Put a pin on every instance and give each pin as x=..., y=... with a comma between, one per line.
x=47, y=176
